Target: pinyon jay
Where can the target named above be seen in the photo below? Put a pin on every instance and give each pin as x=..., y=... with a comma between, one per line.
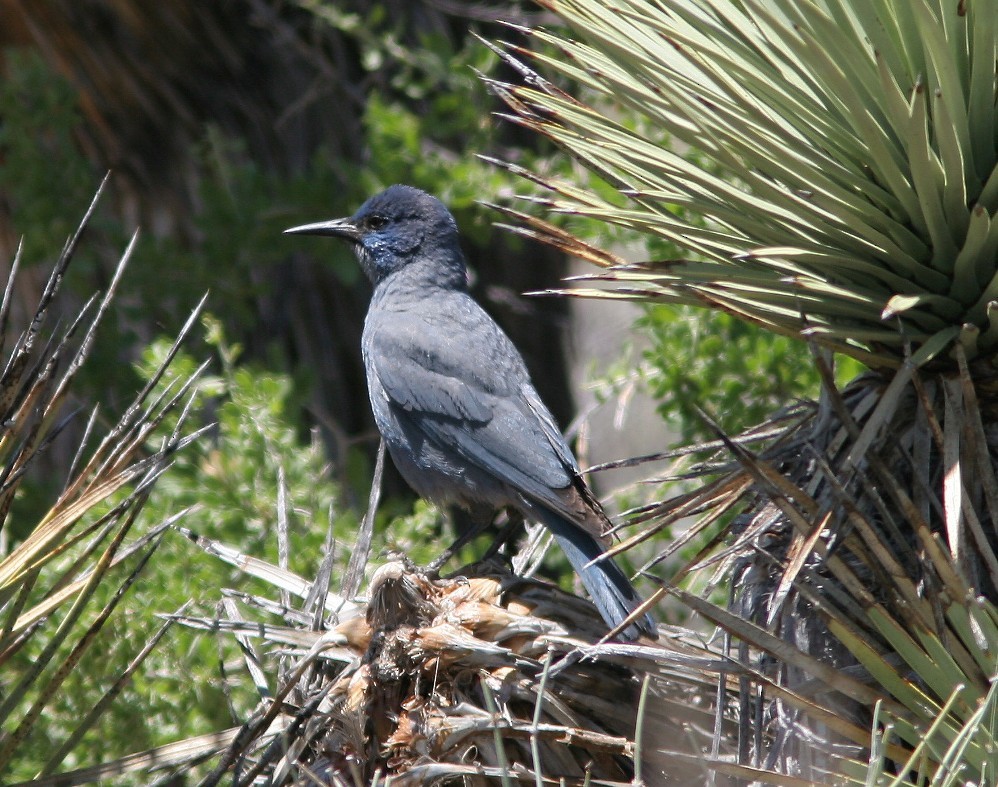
x=452, y=397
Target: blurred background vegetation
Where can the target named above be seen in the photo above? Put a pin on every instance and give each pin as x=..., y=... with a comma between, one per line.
x=224, y=123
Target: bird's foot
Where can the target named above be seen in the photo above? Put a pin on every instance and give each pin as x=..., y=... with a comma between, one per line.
x=505, y=536
x=432, y=570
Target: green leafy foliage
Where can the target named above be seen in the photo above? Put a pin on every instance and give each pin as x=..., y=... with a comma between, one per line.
x=736, y=372
x=231, y=481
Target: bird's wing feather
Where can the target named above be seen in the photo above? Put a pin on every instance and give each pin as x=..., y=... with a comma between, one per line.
x=549, y=427
x=416, y=385
x=488, y=413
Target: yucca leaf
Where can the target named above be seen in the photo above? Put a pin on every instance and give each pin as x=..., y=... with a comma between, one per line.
x=983, y=26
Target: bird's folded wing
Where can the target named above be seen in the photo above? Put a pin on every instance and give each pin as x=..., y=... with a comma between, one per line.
x=410, y=383
x=490, y=423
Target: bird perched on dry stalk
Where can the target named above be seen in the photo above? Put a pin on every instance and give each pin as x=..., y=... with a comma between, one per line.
x=453, y=400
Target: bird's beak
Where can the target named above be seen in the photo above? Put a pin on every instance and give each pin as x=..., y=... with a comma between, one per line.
x=337, y=228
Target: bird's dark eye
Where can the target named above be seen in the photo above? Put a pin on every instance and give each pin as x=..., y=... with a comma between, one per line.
x=375, y=222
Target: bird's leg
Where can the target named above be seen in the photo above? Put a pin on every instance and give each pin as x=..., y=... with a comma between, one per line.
x=514, y=521
x=469, y=525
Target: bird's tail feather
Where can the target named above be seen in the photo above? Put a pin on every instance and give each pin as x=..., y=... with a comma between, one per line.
x=610, y=589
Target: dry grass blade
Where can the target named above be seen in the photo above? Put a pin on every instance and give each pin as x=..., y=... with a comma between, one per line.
x=104, y=702
x=46, y=690
x=76, y=580
x=50, y=578
x=192, y=750
x=361, y=551
x=274, y=575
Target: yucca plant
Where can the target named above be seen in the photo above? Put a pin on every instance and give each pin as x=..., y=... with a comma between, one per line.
x=62, y=577
x=843, y=190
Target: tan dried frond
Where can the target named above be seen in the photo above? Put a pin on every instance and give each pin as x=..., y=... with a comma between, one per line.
x=482, y=676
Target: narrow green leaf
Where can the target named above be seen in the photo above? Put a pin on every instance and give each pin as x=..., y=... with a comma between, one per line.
x=983, y=26
x=927, y=175
x=941, y=676
x=944, y=69
x=941, y=304
x=886, y=675
x=971, y=269
x=989, y=337
x=954, y=168
x=935, y=345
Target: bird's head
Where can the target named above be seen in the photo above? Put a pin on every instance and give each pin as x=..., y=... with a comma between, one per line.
x=400, y=227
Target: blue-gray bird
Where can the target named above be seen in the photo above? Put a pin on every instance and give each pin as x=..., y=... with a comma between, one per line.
x=451, y=394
